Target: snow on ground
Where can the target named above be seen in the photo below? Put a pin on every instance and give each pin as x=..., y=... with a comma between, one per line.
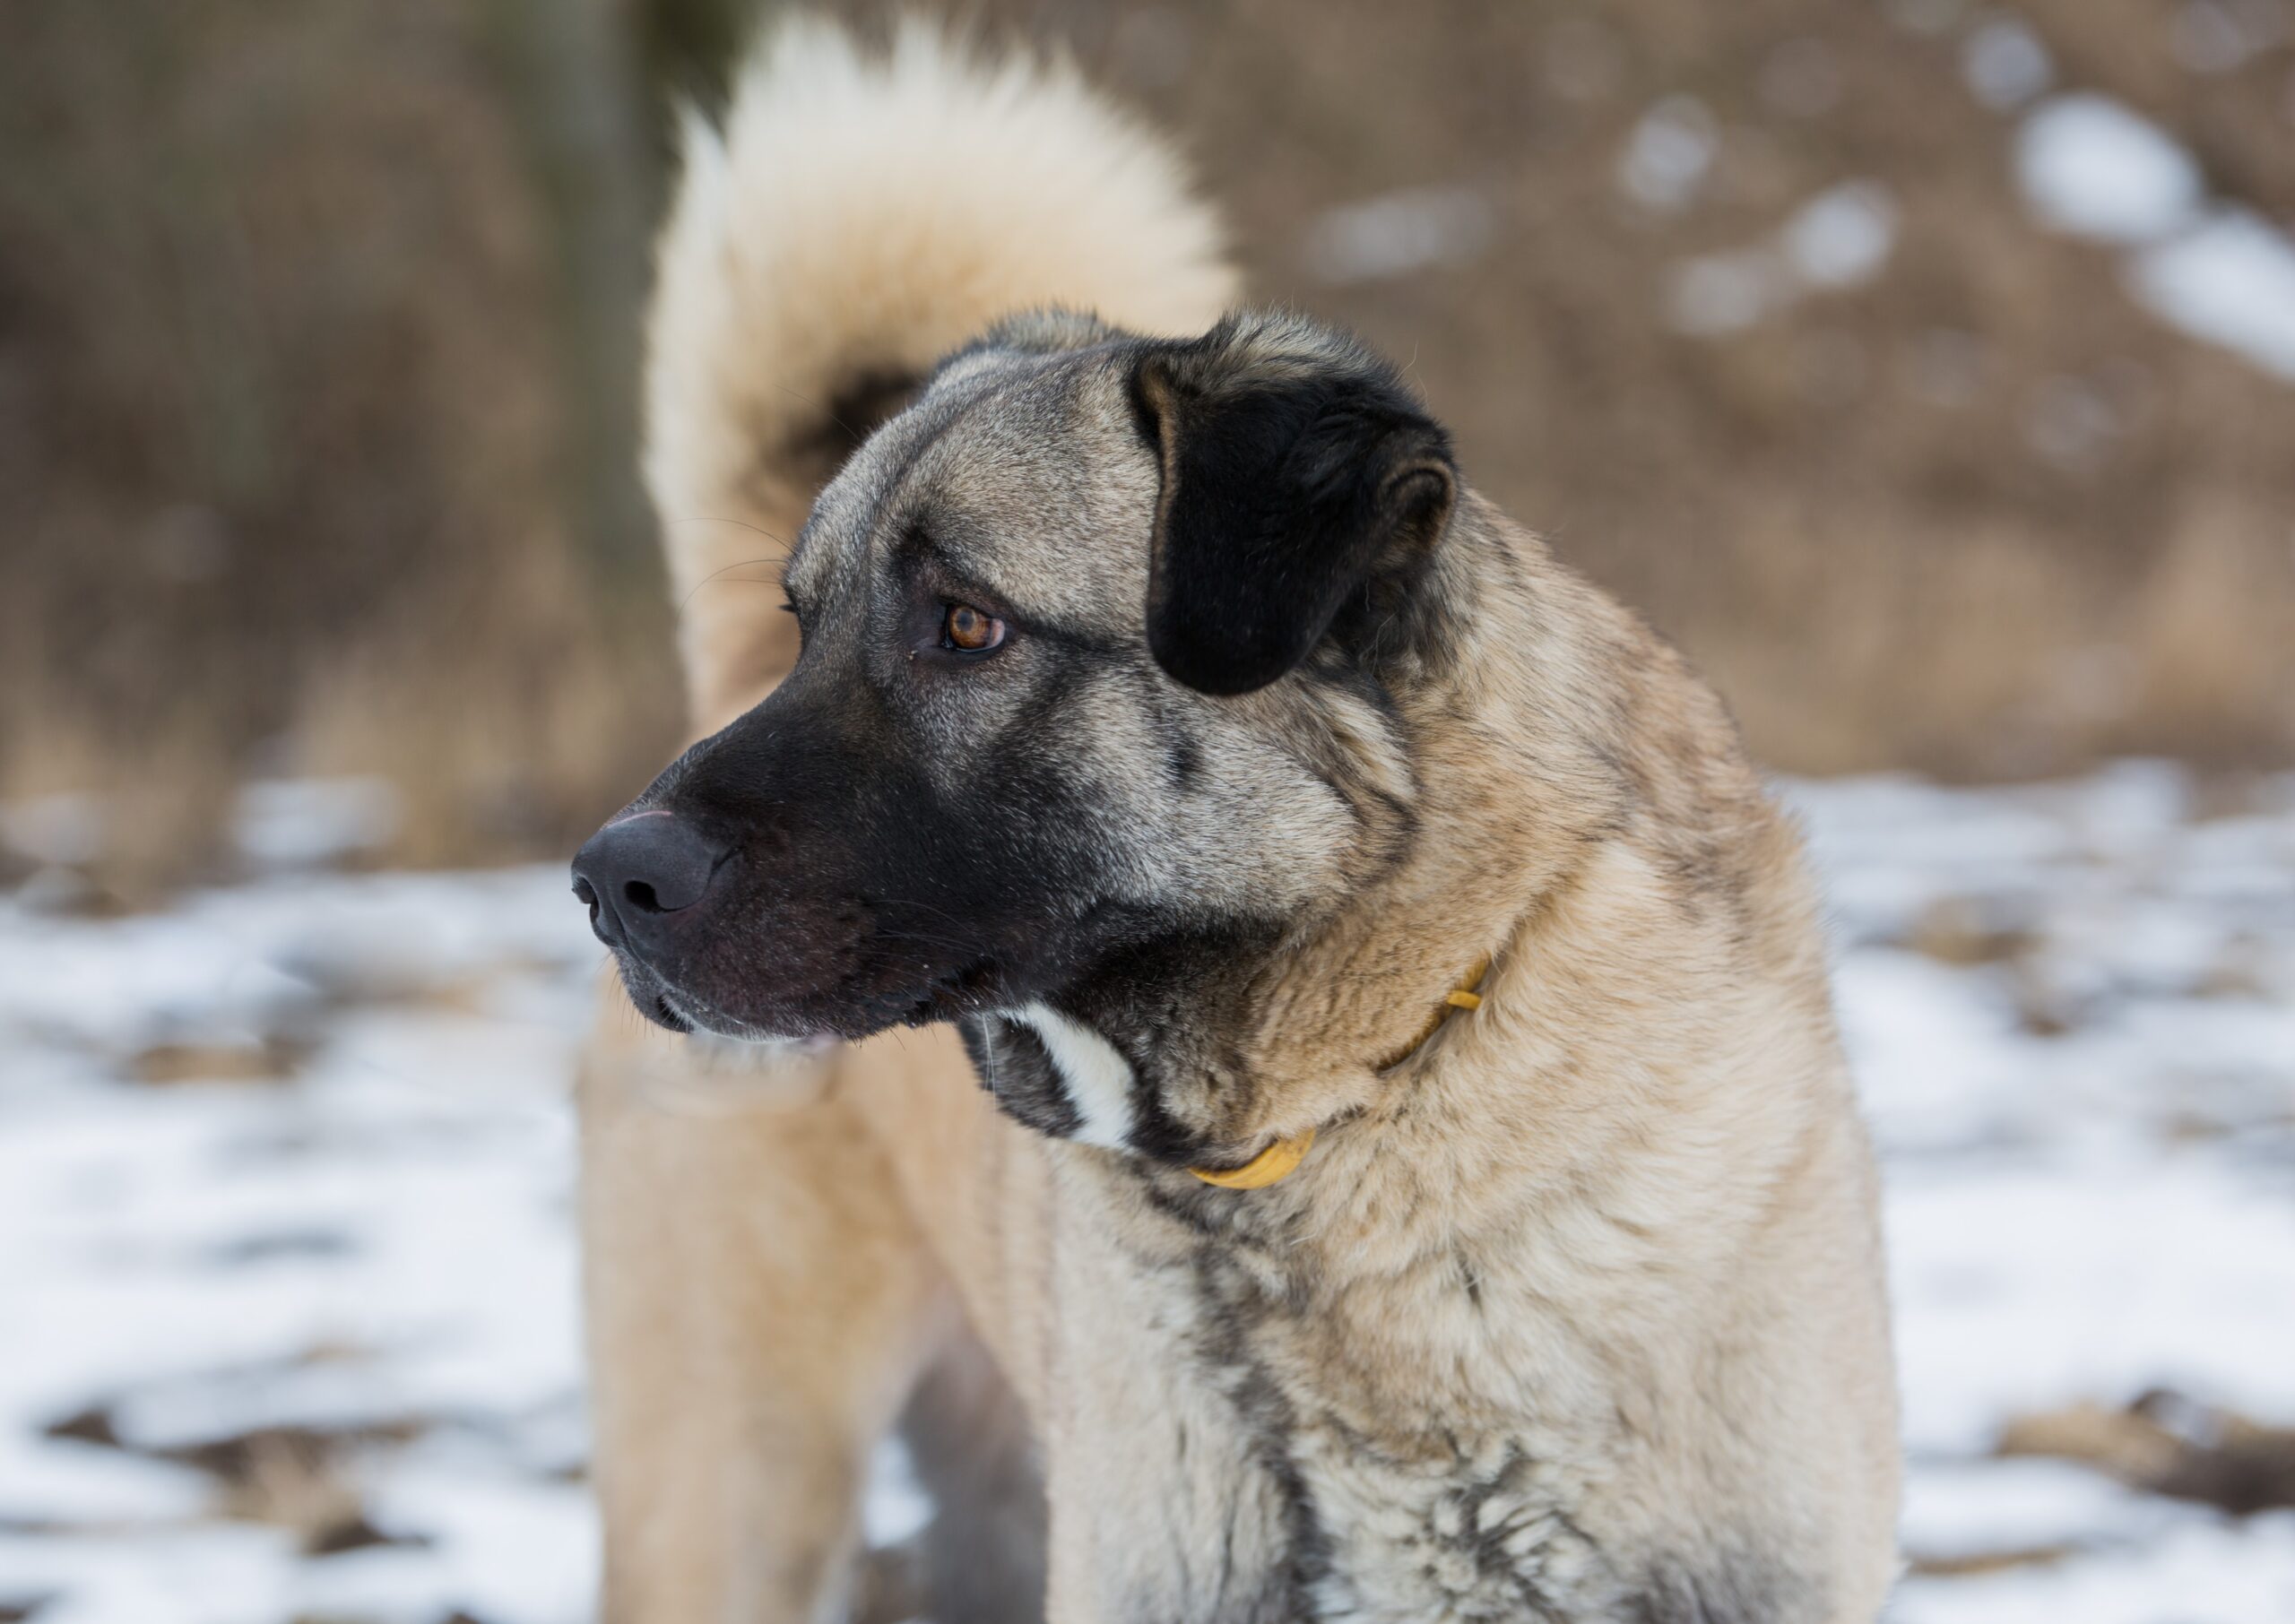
x=285, y=1184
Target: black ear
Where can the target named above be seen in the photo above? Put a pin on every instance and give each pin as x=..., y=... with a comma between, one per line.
x=1296, y=469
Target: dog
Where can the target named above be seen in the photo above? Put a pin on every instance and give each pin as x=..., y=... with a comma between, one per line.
x=1275, y=1022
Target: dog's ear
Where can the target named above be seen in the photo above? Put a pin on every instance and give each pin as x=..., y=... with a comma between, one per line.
x=1297, y=470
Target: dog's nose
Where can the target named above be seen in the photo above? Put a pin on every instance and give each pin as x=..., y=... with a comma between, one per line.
x=638, y=870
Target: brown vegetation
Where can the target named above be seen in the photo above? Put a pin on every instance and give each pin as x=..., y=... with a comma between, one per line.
x=2166, y=1443
x=316, y=326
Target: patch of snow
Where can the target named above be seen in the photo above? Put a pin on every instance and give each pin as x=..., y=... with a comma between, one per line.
x=1842, y=236
x=63, y=829
x=2231, y=282
x=1924, y=16
x=1718, y=293
x=2004, y=62
x=1999, y=1506
x=1837, y=240
x=1670, y=154
x=1398, y=233
x=2092, y=167
x=2087, y=1125
x=2211, y=37
x=312, y=823
x=2218, y=272
x=208, y=1573
x=2021, y=1270
x=2209, y=1571
x=277, y=823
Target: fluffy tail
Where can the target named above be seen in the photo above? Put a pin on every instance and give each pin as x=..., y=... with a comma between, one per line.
x=860, y=215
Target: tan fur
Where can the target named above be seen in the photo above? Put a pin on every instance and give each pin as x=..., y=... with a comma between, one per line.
x=1646, y=1135
x=835, y=231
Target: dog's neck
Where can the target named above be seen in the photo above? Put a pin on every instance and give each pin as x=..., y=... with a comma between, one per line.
x=1515, y=788
x=1169, y=1054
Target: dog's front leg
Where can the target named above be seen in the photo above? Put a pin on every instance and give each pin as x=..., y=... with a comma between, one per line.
x=759, y=1301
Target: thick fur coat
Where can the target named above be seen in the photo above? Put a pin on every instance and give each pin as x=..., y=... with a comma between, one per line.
x=1573, y=1310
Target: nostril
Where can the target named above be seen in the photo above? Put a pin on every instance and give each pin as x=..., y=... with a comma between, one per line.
x=588, y=894
x=642, y=869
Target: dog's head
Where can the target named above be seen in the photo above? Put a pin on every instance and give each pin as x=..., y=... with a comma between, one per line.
x=1094, y=706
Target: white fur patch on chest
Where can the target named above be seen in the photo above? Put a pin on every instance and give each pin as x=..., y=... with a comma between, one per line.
x=1098, y=1077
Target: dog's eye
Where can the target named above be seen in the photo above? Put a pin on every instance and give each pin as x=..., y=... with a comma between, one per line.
x=970, y=631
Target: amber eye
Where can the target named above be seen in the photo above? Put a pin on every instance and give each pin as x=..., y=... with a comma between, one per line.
x=969, y=630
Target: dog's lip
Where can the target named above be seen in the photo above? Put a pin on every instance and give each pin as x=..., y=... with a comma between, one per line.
x=699, y=1016
x=847, y=1014
x=970, y=989
x=665, y=1010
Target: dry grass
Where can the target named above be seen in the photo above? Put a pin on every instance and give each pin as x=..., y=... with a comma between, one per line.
x=315, y=342
x=295, y=428
x=2167, y=1443
x=1880, y=565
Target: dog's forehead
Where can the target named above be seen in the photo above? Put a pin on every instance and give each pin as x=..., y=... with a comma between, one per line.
x=1026, y=474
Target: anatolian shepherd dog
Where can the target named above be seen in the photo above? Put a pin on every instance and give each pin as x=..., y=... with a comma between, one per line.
x=1405, y=1168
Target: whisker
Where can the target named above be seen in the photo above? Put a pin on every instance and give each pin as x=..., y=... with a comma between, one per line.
x=721, y=519
x=711, y=578
x=988, y=1058
x=822, y=406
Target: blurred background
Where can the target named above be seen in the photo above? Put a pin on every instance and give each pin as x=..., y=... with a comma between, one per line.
x=1868, y=347
x=1924, y=367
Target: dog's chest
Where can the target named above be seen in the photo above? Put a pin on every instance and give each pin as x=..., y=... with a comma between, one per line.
x=1487, y=1535
x=1415, y=1484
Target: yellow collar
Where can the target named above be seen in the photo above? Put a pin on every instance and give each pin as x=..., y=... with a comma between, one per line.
x=1277, y=1161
